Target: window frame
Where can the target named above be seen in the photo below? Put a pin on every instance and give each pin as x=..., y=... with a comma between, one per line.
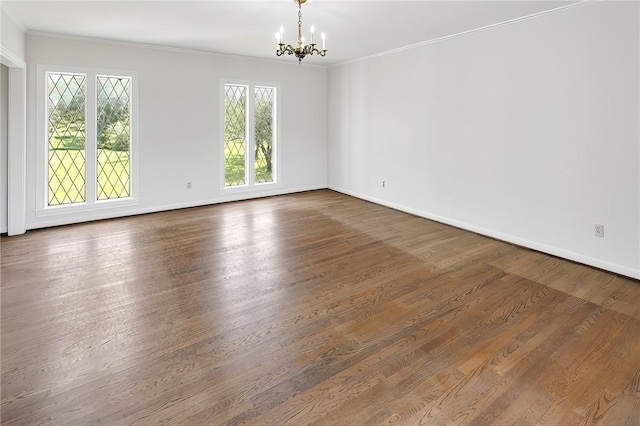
x=91, y=203
x=250, y=184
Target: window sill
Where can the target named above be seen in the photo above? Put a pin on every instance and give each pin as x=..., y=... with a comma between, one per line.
x=249, y=188
x=85, y=208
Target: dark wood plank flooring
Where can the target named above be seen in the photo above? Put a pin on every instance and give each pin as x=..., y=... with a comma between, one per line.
x=314, y=308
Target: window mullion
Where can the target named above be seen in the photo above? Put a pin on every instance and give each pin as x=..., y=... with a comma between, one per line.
x=251, y=134
x=91, y=140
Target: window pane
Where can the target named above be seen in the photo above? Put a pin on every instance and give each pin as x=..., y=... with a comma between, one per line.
x=235, y=136
x=264, y=134
x=66, y=138
x=114, y=137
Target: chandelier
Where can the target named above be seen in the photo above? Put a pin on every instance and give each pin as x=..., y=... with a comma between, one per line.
x=303, y=49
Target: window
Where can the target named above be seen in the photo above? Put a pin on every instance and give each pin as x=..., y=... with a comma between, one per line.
x=249, y=148
x=90, y=144
x=67, y=138
x=113, y=137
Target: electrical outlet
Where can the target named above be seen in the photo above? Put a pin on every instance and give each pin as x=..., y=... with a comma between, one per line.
x=189, y=184
x=383, y=184
x=600, y=231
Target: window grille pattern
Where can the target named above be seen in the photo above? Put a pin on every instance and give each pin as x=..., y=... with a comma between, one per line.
x=235, y=136
x=264, y=134
x=66, y=138
x=114, y=137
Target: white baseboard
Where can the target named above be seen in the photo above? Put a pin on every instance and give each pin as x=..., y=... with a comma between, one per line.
x=113, y=213
x=555, y=251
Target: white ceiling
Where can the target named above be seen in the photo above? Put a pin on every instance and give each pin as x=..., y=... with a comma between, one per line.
x=355, y=28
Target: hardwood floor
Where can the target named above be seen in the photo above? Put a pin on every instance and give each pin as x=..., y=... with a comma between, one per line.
x=314, y=308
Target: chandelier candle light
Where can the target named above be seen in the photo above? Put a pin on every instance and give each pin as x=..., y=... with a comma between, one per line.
x=302, y=50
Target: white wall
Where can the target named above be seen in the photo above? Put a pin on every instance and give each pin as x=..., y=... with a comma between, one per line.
x=12, y=42
x=179, y=120
x=4, y=97
x=12, y=36
x=528, y=132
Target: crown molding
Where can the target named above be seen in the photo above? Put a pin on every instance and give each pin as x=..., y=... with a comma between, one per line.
x=11, y=16
x=463, y=33
x=170, y=49
x=10, y=59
